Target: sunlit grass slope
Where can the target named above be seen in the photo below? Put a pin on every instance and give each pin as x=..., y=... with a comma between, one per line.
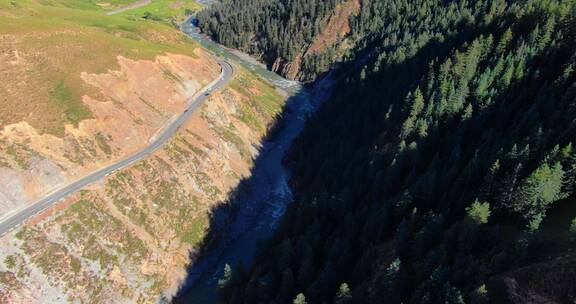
x=45, y=45
x=164, y=10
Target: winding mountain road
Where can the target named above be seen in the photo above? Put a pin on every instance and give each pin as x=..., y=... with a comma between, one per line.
x=13, y=220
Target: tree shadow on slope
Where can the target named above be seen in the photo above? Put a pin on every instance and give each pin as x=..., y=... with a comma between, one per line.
x=250, y=213
x=253, y=208
x=499, y=114
x=238, y=225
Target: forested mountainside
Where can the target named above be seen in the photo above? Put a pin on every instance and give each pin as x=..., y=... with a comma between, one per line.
x=442, y=170
x=282, y=32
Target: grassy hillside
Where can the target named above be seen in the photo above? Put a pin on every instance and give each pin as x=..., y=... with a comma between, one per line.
x=164, y=10
x=46, y=45
x=86, y=4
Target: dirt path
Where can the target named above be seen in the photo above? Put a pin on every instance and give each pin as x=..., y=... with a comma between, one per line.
x=134, y=5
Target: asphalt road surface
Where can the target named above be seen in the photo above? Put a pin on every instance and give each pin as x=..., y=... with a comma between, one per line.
x=13, y=220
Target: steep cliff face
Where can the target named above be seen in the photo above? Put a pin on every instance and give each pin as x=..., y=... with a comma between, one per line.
x=129, y=237
x=330, y=42
x=286, y=68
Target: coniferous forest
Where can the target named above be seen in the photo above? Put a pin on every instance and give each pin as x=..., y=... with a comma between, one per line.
x=270, y=29
x=443, y=167
x=275, y=28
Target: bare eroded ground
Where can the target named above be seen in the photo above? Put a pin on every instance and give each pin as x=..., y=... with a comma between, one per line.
x=131, y=105
x=128, y=238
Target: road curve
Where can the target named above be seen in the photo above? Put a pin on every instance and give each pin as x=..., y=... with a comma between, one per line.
x=13, y=220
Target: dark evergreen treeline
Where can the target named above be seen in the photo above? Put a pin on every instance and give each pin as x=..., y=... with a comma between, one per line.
x=454, y=122
x=269, y=28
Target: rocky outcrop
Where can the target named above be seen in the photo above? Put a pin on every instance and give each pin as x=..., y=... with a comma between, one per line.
x=333, y=34
x=288, y=69
x=337, y=27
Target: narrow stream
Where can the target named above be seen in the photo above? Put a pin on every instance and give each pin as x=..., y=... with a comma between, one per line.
x=265, y=195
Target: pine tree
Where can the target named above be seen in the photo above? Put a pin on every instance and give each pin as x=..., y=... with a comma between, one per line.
x=541, y=188
x=504, y=41
x=479, y=212
x=343, y=296
x=300, y=299
x=225, y=282
x=453, y=296
x=569, y=164
x=226, y=277
x=479, y=295
x=573, y=226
